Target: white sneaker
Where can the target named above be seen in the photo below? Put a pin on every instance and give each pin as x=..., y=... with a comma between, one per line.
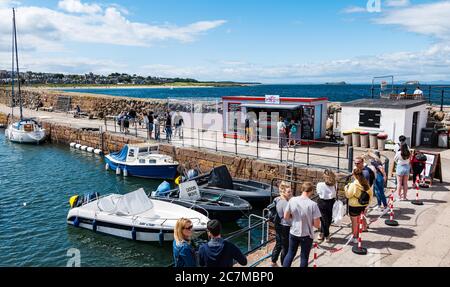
x=355, y=240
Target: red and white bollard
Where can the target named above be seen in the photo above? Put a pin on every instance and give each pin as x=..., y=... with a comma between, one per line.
x=359, y=249
x=391, y=221
x=417, y=201
x=315, y=255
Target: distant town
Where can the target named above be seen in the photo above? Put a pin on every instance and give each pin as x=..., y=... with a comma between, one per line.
x=34, y=78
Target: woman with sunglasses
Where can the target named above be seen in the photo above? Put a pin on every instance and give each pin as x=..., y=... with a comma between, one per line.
x=183, y=252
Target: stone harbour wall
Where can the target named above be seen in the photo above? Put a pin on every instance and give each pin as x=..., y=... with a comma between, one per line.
x=100, y=106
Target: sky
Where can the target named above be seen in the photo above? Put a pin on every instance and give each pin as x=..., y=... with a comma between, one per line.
x=283, y=41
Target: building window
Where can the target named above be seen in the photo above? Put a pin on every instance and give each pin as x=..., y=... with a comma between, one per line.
x=369, y=118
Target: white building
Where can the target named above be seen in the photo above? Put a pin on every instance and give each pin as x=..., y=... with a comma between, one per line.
x=393, y=117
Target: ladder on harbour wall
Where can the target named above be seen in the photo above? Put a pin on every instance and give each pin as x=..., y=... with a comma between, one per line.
x=290, y=165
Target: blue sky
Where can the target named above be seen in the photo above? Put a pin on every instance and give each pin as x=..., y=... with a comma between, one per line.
x=266, y=41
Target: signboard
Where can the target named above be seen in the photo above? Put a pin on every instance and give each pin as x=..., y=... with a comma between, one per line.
x=433, y=168
x=273, y=99
x=189, y=191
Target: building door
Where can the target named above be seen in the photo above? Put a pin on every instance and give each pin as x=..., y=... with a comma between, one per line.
x=414, y=129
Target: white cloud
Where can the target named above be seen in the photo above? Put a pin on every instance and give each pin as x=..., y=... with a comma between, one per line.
x=397, y=3
x=75, y=6
x=427, y=19
x=92, y=24
x=354, y=9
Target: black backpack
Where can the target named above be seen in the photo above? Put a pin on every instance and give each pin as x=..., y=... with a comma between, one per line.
x=364, y=199
x=421, y=157
x=273, y=213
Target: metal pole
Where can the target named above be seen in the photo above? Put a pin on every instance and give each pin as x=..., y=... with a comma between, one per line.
x=115, y=125
x=350, y=159
x=339, y=157
x=135, y=127
x=198, y=138
x=386, y=168
x=235, y=136
x=307, y=153
x=106, y=125
x=429, y=94
x=257, y=139
x=216, y=141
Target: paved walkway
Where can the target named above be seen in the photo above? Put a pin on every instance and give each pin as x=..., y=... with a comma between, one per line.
x=421, y=239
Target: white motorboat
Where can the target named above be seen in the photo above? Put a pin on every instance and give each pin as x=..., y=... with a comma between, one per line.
x=132, y=216
x=25, y=131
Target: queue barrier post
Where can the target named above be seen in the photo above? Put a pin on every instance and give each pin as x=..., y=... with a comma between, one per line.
x=417, y=201
x=391, y=221
x=358, y=249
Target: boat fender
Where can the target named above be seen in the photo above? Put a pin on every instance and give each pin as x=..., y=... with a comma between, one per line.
x=94, y=225
x=72, y=144
x=118, y=171
x=125, y=172
x=77, y=146
x=161, y=238
x=107, y=166
x=133, y=233
x=73, y=201
x=178, y=180
x=76, y=222
x=84, y=148
x=90, y=149
x=98, y=151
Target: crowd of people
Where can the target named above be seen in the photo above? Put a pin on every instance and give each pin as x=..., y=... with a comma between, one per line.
x=153, y=123
x=297, y=218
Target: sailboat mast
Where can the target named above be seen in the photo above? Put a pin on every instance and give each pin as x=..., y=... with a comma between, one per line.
x=12, y=72
x=17, y=64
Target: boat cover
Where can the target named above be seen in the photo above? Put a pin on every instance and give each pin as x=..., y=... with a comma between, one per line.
x=130, y=204
x=121, y=155
x=221, y=178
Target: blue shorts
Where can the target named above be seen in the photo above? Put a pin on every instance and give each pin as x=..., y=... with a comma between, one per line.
x=403, y=170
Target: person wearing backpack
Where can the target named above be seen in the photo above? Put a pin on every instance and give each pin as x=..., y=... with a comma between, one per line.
x=359, y=194
x=282, y=226
x=183, y=253
x=403, y=170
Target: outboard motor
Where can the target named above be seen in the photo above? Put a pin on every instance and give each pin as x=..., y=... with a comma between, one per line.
x=163, y=189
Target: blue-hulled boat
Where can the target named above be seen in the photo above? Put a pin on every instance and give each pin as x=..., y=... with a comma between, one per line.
x=142, y=160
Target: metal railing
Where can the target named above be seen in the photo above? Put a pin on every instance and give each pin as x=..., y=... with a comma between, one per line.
x=310, y=153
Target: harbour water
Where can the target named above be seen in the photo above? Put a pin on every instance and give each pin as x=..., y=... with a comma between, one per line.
x=335, y=93
x=36, y=183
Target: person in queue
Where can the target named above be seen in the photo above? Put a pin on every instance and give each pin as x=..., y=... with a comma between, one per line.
x=183, y=252
x=402, y=160
x=282, y=226
x=305, y=215
x=219, y=252
x=327, y=197
x=359, y=194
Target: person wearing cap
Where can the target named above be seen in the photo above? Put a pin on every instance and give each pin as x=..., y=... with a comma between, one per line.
x=219, y=252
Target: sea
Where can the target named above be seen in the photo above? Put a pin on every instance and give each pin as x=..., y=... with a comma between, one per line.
x=335, y=93
x=36, y=183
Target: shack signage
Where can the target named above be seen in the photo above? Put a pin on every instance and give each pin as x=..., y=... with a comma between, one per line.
x=273, y=99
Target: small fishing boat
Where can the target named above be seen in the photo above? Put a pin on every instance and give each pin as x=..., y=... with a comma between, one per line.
x=132, y=216
x=223, y=207
x=25, y=130
x=142, y=160
x=219, y=181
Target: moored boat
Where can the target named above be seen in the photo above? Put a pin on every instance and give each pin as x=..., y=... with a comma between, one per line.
x=223, y=207
x=219, y=181
x=132, y=216
x=142, y=160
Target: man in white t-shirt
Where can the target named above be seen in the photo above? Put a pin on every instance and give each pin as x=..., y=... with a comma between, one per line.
x=305, y=215
x=418, y=92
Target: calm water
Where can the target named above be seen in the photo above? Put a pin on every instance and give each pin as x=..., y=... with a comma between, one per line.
x=335, y=93
x=44, y=177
